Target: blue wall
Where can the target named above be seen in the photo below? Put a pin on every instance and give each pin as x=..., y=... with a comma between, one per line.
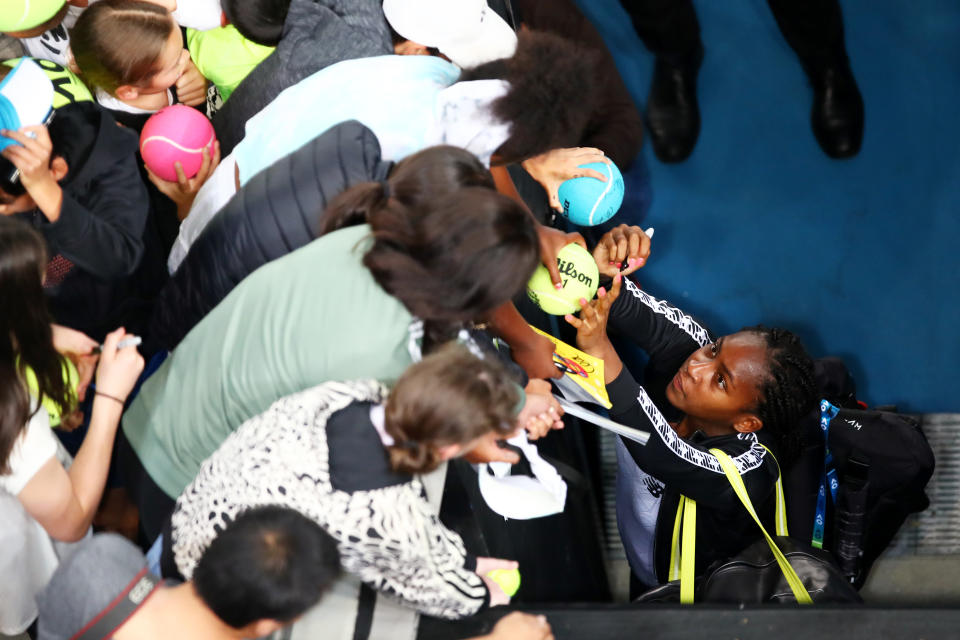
x=858, y=256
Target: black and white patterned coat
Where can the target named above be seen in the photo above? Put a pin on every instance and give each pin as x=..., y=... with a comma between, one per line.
x=388, y=537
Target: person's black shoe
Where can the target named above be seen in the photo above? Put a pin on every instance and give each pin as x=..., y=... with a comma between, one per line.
x=672, y=115
x=837, y=115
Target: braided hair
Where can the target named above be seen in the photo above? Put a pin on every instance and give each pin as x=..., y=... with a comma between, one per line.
x=789, y=392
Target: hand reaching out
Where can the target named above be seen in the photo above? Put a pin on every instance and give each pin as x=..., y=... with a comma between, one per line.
x=78, y=347
x=623, y=249
x=485, y=566
x=119, y=368
x=553, y=168
x=551, y=242
x=489, y=450
x=32, y=158
x=184, y=190
x=592, y=328
x=541, y=412
x=521, y=626
x=536, y=357
x=67, y=340
x=191, y=86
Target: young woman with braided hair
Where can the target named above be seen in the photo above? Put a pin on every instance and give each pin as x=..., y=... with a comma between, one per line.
x=743, y=393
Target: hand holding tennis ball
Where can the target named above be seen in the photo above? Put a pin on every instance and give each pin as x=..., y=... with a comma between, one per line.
x=502, y=578
x=508, y=579
x=554, y=168
x=579, y=279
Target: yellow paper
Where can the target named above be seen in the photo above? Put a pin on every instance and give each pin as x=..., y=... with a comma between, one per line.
x=582, y=368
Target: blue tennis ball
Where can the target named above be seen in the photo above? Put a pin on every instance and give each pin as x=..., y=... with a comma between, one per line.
x=587, y=201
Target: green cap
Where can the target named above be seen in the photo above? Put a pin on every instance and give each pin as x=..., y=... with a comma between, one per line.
x=20, y=15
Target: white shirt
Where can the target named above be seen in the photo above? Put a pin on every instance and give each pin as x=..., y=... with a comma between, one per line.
x=212, y=196
x=639, y=496
x=108, y=101
x=28, y=555
x=53, y=44
x=201, y=15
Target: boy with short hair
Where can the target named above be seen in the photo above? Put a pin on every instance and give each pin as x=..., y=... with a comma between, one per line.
x=264, y=571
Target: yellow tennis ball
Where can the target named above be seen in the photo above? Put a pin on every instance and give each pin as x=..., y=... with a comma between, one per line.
x=579, y=276
x=508, y=579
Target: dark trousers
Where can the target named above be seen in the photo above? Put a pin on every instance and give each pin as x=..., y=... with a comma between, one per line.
x=154, y=504
x=670, y=29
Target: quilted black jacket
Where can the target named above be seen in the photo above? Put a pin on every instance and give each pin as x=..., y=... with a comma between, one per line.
x=278, y=211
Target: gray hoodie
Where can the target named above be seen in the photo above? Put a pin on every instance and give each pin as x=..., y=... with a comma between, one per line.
x=316, y=34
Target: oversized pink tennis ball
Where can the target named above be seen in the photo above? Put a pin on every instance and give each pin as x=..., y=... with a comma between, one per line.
x=177, y=133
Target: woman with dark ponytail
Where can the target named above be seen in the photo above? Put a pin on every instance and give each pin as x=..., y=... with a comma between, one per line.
x=447, y=269
x=40, y=500
x=743, y=393
x=412, y=182
x=347, y=455
x=285, y=207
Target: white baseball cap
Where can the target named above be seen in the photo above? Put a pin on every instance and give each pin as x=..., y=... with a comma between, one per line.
x=466, y=31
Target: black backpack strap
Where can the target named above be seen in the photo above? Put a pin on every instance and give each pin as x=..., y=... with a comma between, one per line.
x=851, y=513
x=122, y=607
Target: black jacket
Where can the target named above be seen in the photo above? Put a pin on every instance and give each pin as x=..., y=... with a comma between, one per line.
x=96, y=243
x=278, y=211
x=685, y=467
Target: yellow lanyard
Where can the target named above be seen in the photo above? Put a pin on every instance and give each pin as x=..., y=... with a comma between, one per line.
x=682, y=564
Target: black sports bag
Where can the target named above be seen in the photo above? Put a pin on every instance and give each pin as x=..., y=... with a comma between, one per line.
x=881, y=462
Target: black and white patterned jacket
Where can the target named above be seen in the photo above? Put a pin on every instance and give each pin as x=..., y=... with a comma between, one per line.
x=387, y=533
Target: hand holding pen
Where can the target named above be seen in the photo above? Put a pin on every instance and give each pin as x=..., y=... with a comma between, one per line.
x=120, y=366
x=129, y=341
x=623, y=250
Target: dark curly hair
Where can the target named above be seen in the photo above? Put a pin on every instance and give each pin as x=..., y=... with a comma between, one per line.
x=553, y=91
x=790, y=391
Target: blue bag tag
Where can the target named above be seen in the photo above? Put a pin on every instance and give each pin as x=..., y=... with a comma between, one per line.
x=829, y=476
